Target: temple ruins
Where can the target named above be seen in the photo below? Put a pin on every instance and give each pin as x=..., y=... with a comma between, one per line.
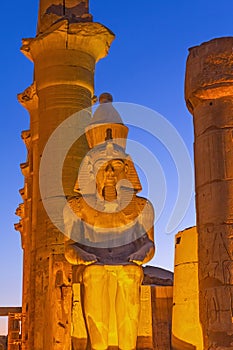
x=84, y=286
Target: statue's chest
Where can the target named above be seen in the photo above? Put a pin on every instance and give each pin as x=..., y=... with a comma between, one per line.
x=108, y=220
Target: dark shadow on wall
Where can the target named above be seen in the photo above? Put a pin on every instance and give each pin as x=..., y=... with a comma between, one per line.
x=178, y=344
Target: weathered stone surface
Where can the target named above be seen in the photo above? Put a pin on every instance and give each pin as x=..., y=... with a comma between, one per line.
x=162, y=297
x=64, y=52
x=54, y=11
x=186, y=327
x=5, y=310
x=209, y=72
x=3, y=342
x=14, y=341
x=209, y=97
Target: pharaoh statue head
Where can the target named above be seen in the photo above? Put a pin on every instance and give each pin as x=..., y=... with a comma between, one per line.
x=107, y=167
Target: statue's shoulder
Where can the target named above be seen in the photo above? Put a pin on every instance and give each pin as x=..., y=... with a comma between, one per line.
x=143, y=202
x=145, y=206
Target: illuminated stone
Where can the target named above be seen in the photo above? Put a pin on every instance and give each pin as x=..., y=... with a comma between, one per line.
x=67, y=46
x=209, y=97
x=111, y=232
x=64, y=53
x=186, y=327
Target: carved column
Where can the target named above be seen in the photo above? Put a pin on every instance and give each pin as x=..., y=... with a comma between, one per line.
x=51, y=12
x=27, y=224
x=14, y=340
x=209, y=97
x=65, y=51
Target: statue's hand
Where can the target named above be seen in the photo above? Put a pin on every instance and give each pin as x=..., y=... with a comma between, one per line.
x=90, y=259
x=76, y=256
x=87, y=258
x=140, y=256
x=137, y=257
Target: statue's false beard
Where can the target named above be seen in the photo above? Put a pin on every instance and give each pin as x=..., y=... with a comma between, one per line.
x=109, y=193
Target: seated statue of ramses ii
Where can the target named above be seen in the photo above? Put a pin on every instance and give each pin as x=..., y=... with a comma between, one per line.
x=109, y=229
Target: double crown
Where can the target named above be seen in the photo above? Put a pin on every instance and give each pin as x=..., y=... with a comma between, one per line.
x=106, y=125
x=106, y=136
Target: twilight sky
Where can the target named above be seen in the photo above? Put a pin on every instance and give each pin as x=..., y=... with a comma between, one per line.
x=145, y=66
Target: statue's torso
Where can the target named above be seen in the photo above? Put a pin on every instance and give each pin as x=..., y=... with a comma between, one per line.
x=111, y=236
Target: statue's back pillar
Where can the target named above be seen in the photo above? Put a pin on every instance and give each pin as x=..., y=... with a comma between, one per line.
x=209, y=97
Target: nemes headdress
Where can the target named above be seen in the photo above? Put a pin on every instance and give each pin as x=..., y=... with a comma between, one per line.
x=106, y=136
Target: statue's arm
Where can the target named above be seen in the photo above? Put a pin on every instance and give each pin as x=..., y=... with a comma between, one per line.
x=145, y=251
x=76, y=255
x=145, y=248
x=73, y=227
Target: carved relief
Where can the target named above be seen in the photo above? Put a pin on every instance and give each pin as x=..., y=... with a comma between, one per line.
x=26, y=137
x=28, y=98
x=209, y=86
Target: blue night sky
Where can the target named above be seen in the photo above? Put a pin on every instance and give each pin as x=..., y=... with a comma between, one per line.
x=145, y=66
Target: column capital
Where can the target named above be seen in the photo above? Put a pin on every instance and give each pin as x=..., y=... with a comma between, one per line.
x=91, y=38
x=209, y=72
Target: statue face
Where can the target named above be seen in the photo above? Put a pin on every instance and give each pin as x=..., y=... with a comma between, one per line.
x=109, y=173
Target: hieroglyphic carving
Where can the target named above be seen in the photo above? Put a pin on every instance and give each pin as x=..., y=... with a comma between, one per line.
x=209, y=90
x=145, y=322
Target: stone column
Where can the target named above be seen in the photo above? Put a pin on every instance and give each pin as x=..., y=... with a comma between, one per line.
x=209, y=97
x=67, y=46
x=186, y=328
x=27, y=226
x=14, y=339
x=51, y=11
